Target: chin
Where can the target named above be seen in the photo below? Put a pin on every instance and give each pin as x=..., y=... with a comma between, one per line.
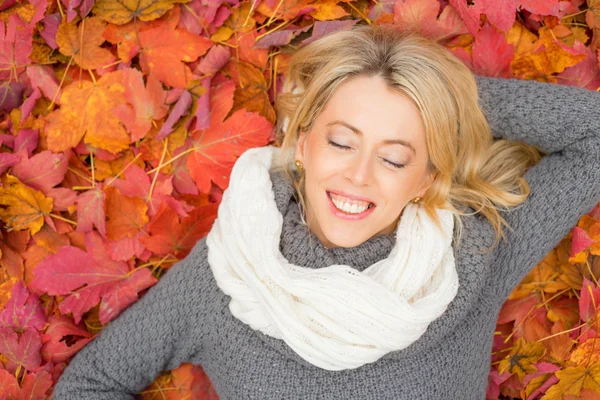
x=344, y=240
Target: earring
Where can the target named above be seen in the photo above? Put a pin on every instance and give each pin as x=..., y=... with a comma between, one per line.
x=299, y=165
x=416, y=200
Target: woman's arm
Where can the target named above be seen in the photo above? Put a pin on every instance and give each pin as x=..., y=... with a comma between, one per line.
x=563, y=121
x=156, y=333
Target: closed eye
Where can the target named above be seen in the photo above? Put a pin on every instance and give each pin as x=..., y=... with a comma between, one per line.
x=339, y=146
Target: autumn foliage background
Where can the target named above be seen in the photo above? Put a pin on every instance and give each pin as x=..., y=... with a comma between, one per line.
x=120, y=122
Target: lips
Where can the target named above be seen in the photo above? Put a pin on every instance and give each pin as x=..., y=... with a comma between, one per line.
x=350, y=198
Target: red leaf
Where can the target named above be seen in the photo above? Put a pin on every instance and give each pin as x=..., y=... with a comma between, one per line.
x=91, y=211
x=169, y=235
x=24, y=350
x=23, y=310
x=219, y=146
x=492, y=55
x=70, y=268
x=589, y=302
x=54, y=346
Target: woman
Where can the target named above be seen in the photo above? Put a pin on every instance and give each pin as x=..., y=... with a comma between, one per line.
x=296, y=295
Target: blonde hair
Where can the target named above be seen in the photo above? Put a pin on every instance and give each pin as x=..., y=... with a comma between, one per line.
x=471, y=168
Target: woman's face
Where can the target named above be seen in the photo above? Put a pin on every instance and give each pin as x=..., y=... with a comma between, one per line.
x=384, y=161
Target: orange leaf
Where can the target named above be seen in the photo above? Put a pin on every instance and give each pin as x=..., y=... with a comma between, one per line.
x=587, y=352
x=286, y=9
x=550, y=57
x=120, y=12
x=252, y=94
x=26, y=207
x=169, y=235
x=126, y=215
x=86, y=113
x=83, y=42
x=164, y=50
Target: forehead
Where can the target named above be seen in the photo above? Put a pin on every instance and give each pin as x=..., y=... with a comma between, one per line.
x=368, y=104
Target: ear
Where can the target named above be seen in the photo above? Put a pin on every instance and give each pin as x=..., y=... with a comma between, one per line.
x=300, y=146
x=427, y=182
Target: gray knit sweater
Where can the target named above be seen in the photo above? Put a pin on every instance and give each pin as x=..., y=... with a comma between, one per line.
x=185, y=316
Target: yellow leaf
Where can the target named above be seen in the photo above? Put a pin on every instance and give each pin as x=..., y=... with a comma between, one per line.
x=26, y=207
x=120, y=12
x=572, y=380
x=327, y=10
x=522, y=358
x=222, y=34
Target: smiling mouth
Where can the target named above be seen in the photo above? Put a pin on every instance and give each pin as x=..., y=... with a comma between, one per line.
x=353, y=207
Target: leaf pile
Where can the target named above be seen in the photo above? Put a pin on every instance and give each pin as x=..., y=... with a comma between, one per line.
x=120, y=122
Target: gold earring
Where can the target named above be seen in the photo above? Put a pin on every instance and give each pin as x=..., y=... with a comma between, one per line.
x=299, y=165
x=416, y=200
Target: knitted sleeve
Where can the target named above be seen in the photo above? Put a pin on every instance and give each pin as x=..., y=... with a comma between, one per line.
x=564, y=122
x=156, y=333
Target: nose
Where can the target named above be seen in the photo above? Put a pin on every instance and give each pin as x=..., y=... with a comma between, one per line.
x=360, y=169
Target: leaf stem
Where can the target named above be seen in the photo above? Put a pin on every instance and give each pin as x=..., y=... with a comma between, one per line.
x=162, y=157
x=575, y=14
x=183, y=153
x=61, y=82
x=124, y=168
x=63, y=219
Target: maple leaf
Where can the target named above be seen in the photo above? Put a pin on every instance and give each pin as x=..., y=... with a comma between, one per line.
x=137, y=184
x=522, y=358
x=164, y=50
x=35, y=385
x=169, y=235
x=592, y=16
x=327, y=10
x=589, y=301
x=23, y=350
x=23, y=310
x=285, y=9
x=216, y=148
x=147, y=103
x=573, y=379
x=91, y=211
x=111, y=168
x=111, y=283
x=422, y=16
x=549, y=57
x=279, y=38
x=7, y=160
x=253, y=96
x=83, y=42
x=126, y=215
x=54, y=344
x=86, y=113
x=15, y=47
x=492, y=55
x=43, y=171
x=120, y=12
x=587, y=352
x=26, y=207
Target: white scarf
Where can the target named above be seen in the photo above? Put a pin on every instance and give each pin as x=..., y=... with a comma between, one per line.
x=335, y=317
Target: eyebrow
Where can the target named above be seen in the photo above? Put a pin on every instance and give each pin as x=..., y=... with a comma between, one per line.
x=359, y=132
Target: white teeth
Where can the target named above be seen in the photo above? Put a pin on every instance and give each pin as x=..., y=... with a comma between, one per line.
x=349, y=208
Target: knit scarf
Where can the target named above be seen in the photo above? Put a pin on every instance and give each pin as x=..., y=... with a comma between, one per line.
x=334, y=317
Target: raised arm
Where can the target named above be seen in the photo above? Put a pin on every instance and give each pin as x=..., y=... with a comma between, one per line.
x=564, y=122
x=156, y=333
